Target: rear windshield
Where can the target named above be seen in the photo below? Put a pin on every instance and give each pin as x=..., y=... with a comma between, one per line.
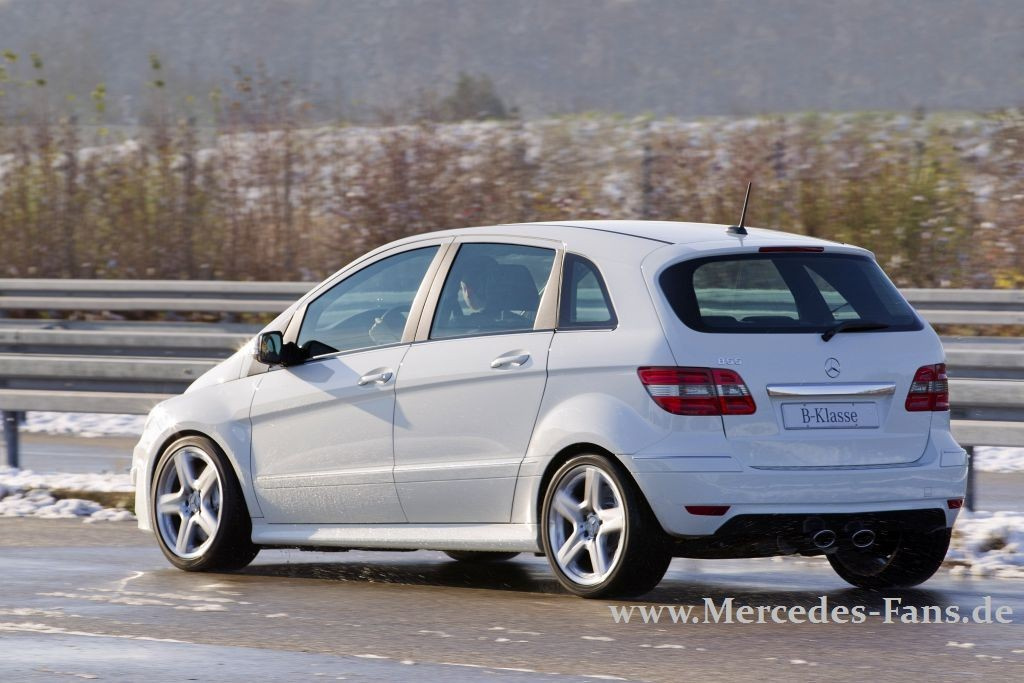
x=784, y=292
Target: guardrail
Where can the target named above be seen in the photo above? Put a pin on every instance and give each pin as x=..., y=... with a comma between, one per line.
x=108, y=364
x=208, y=296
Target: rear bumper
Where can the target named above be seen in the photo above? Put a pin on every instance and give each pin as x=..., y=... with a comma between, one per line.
x=670, y=484
x=769, y=535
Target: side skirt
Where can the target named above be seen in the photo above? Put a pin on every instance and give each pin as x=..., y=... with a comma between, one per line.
x=491, y=537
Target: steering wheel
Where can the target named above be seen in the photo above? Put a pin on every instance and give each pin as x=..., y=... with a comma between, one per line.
x=388, y=327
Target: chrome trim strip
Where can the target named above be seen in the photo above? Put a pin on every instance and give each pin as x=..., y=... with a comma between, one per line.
x=819, y=390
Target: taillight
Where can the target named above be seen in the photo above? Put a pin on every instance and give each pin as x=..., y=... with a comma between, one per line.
x=698, y=391
x=929, y=390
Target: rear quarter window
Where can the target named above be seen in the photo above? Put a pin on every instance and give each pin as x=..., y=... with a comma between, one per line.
x=784, y=292
x=585, y=303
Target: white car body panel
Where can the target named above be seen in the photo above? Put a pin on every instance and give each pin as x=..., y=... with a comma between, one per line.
x=219, y=411
x=322, y=449
x=466, y=478
x=462, y=427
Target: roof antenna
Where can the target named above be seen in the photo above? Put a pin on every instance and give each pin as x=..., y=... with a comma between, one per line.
x=740, y=229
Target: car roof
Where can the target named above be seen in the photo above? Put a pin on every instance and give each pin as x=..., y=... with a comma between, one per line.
x=674, y=232
x=632, y=240
x=698, y=236
x=627, y=241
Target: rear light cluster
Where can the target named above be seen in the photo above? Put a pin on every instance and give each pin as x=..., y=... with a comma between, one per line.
x=698, y=391
x=929, y=390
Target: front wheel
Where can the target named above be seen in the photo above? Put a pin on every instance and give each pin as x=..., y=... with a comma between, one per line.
x=899, y=559
x=198, y=512
x=598, y=532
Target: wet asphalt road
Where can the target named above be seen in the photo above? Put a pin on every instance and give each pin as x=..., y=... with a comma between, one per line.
x=98, y=600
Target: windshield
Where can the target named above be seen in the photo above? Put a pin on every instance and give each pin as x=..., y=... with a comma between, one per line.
x=785, y=292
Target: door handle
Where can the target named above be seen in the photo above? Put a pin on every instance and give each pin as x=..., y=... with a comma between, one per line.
x=513, y=360
x=379, y=377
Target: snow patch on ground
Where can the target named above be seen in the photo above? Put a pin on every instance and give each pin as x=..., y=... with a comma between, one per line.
x=83, y=424
x=988, y=544
x=13, y=477
x=24, y=493
x=1007, y=460
x=39, y=503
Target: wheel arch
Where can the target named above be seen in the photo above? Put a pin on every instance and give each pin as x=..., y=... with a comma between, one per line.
x=565, y=455
x=247, y=494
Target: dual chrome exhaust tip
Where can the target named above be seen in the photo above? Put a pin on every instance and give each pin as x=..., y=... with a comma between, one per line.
x=864, y=538
x=824, y=539
x=827, y=538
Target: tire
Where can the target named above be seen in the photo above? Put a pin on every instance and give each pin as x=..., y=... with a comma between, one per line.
x=900, y=559
x=598, y=532
x=204, y=524
x=479, y=557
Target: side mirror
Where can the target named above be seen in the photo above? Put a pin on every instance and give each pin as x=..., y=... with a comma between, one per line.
x=269, y=348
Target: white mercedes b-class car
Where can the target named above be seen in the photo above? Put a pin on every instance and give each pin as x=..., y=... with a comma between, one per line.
x=610, y=394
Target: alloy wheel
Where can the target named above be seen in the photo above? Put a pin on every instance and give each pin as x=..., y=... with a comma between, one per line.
x=586, y=525
x=189, y=493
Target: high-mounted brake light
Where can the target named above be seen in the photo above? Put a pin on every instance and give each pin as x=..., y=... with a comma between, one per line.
x=798, y=250
x=698, y=391
x=929, y=390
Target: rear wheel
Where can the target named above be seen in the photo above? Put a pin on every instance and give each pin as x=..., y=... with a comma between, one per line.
x=599, y=533
x=199, y=514
x=479, y=557
x=899, y=559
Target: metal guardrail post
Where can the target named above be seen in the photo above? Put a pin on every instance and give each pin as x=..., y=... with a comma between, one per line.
x=11, y=419
x=969, y=500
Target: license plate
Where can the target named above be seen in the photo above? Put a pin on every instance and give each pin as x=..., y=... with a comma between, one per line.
x=829, y=415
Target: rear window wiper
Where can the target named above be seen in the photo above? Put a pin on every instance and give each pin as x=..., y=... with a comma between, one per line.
x=852, y=326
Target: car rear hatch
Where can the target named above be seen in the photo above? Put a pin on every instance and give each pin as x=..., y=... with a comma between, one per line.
x=823, y=341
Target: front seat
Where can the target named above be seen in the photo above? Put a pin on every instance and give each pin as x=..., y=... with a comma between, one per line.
x=511, y=290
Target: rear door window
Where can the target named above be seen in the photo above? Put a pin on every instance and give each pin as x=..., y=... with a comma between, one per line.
x=492, y=289
x=784, y=292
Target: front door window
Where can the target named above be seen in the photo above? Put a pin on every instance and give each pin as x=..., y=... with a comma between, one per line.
x=367, y=309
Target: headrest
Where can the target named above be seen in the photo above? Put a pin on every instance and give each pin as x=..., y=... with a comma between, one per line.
x=511, y=288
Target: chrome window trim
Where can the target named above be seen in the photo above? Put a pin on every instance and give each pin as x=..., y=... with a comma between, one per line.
x=346, y=352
